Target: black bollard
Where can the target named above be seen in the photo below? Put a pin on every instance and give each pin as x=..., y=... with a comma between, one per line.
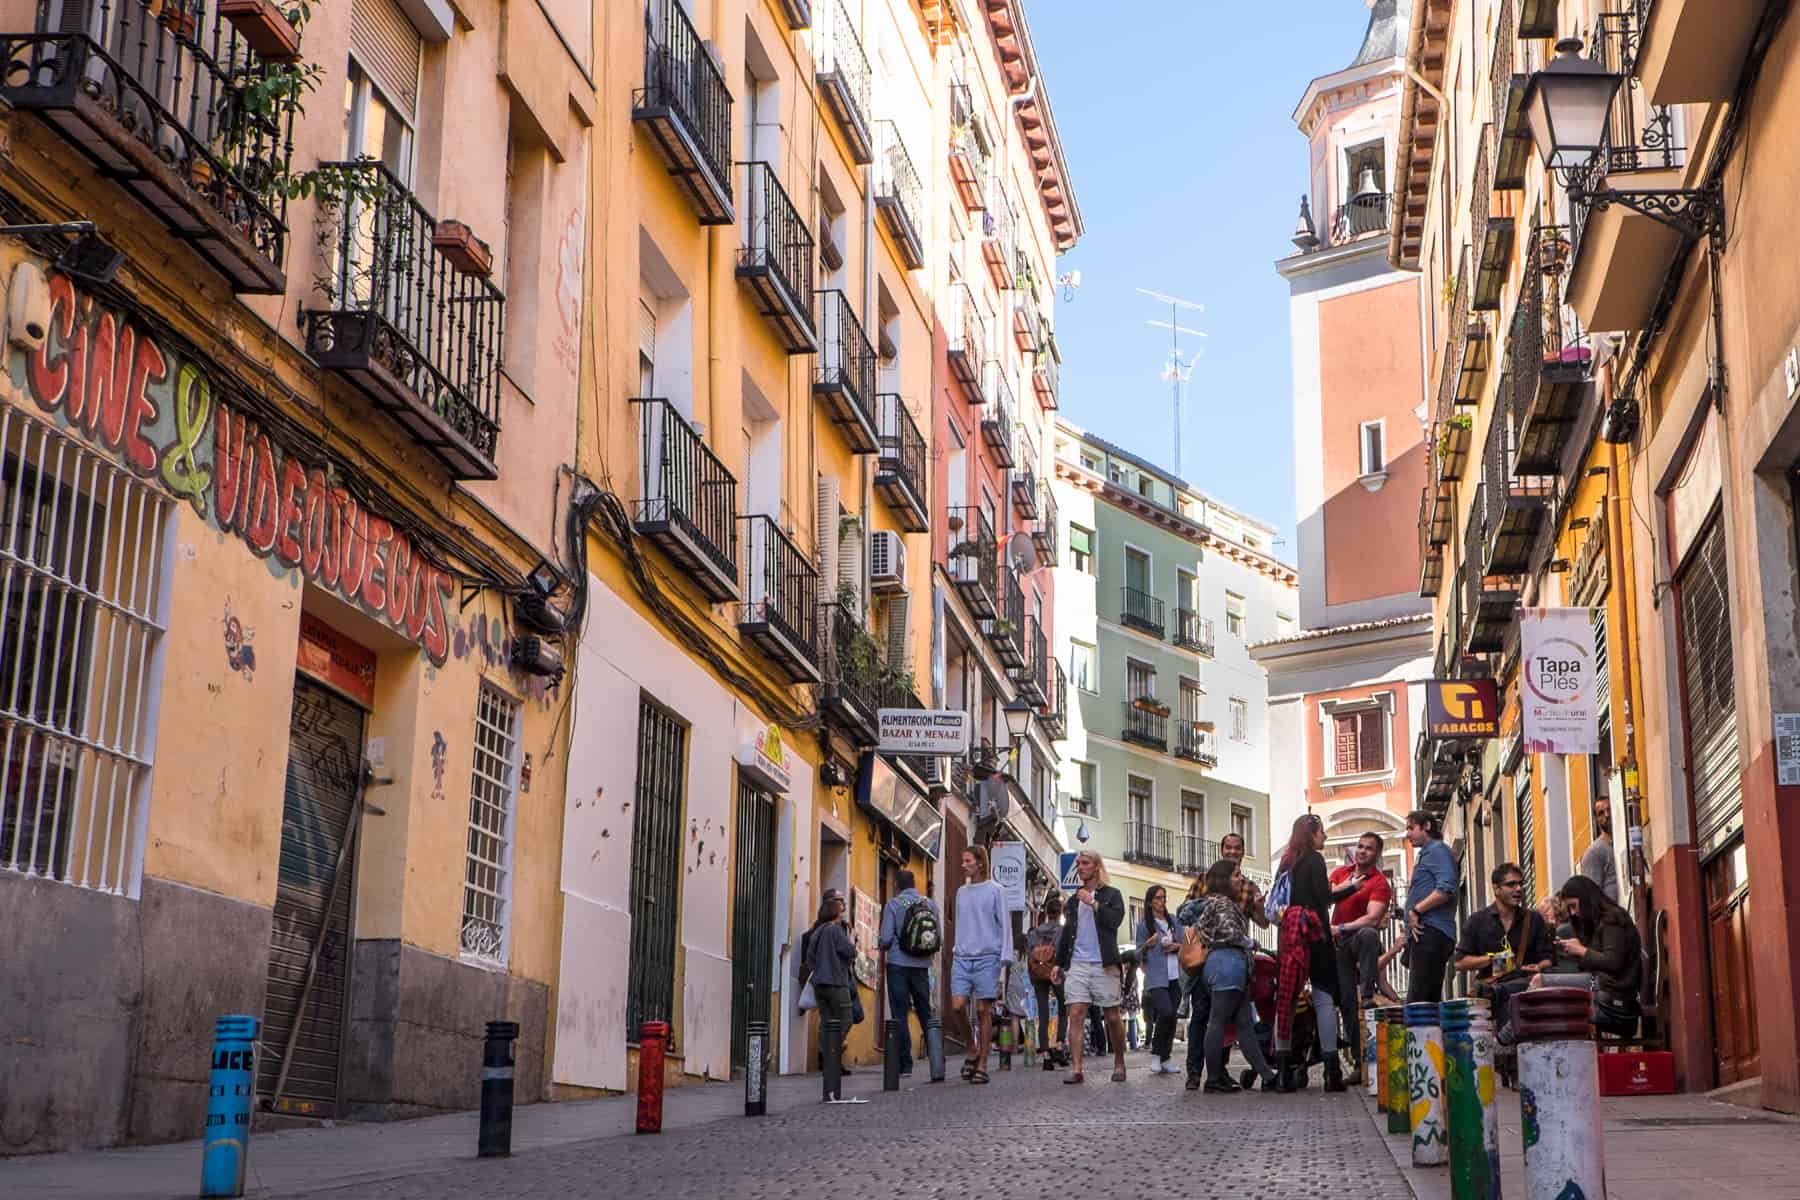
x=831, y=1050
x=497, y=1090
x=934, y=1047
x=756, y=1068
x=890, y=1059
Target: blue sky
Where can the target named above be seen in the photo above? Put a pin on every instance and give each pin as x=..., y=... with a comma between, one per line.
x=1176, y=123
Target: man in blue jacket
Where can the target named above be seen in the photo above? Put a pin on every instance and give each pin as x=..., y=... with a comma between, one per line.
x=1430, y=909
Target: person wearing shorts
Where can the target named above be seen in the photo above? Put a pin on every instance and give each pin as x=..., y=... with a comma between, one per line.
x=1087, y=960
x=983, y=935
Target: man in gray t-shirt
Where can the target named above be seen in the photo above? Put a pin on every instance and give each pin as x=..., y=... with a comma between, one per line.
x=983, y=935
x=1598, y=862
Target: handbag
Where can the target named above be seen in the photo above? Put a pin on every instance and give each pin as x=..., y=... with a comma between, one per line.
x=1042, y=964
x=1193, y=951
x=856, y=1008
x=809, y=999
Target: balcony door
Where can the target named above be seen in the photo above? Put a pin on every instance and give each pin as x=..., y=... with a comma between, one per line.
x=1140, y=680
x=1140, y=807
x=378, y=109
x=1137, y=571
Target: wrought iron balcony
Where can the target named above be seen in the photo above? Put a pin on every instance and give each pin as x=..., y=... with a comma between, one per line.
x=966, y=341
x=1149, y=845
x=1028, y=322
x=1194, y=632
x=999, y=235
x=1515, y=507
x=417, y=336
x=1537, y=18
x=1033, y=678
x=1362, y=216
x=1141, y=611
x=1493, y=236
x=797, y=12
x=1006, y=629
x=1194, y=855
x=900, y=472
x=973, y=562
x=1043, y=534
x=1431, y=552
x=1024, y=476
x=781, y=600
x=899, y=197
x=858, y=682
x=157, y=96
x=776, y=259
x=1055, y=712
x=843, y=75
x=1491, y=598
x=1044, y=368
x=1550, y=363
x=686, y=108
x=845, y=378
x=1194, y=741
x=969, y=158
x=1145, y=725
x=687, y=500
x=997, y=418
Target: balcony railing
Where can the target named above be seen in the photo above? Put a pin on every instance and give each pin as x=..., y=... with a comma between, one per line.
x=419, y=338
x=687, y=500
x=900, y=472
x=1491, y=600
x=1515, y=505
x=686, y=108
x=998, y=235
x=776, y=260
x=997, y=418
x=1193, y=632
x=966, y=340
x=1056, y=705
x=1024, y=476
x=1431, y=543
x=845, y=378
x=1006, y=630
x=1149, y=845
x=1194, y=741
x=1550, y=361
x=843, y=74
x=968, y=156
x=1493, y=237
x=780, y=613
x=1033, y=678
x=1043, y=534
x=1145, y=726
x=1028, y=320
x=1194, y=855
x=1362, y=217
x=1044, y=369
x=858, y=682
x=797, y=12
x=974, y=567
x=899, y=196
x=1141, y=611
x=161, y=106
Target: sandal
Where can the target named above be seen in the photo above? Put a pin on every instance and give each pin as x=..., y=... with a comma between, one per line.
x=1075, y=1078
x=968, y=1069
x=978, y=1076
x=1119, y=1075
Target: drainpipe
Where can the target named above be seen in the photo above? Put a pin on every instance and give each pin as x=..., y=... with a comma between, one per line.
x=1615, y=552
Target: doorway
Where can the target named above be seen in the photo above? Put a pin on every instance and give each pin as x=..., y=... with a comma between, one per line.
x=752, y=917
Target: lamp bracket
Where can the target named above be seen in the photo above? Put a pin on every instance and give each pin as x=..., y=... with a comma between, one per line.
x=1691, y=212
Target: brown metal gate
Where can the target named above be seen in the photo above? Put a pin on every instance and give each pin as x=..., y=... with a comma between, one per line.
x=752, y=917
x=303, y=1023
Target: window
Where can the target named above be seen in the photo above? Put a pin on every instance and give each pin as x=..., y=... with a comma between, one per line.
x=1039, y=799
x=1137, y=570
x=1374, y=450
x=1192, y=697
x=1187, y=591
x=655, y=866
x=1087, y=800
x=373, y=126
x=1140, y=801
x=1140, y=680
x=487, y=875
x=1193, y=816
x=1359, y=741
x=1084, y=667
x=1090, y=461
x=1081, y=548
x=1240, y=719
x=1240, y=825
x=1234, y=614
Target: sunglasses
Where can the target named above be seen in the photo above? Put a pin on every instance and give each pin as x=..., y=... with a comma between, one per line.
x=1518, y=883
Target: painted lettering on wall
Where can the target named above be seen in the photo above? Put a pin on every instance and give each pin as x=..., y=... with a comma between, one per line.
x=164, y=416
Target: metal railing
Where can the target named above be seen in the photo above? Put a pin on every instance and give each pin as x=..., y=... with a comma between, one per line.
x=1196, y=743
x=999, y=234
x=1034, y=680
x=681, y=482
x=1007, y=629
x=856, y=669
x=1044, y=535
x=1362, y=216
x=781, y=587
x=846, y=359
x=972, y=551
x=1149, y=844
x=1141, y=610
x=839, y=53
x=1500, y=72
x=680, y=74
x=965, y=334
x=896, y=180
x=1056, y=704
x=1024, y=476
x=1193, y=855
x=997, y=420
x=776, y=237
x=1194, y=632
x=1145, y=726
x=1044, y=372
x=903, y=452
x=397, y=297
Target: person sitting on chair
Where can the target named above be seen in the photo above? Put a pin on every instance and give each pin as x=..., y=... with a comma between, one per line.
x=1606, y=943
x=1505, y=944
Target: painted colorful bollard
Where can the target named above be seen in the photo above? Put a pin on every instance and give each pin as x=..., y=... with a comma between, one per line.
x=1559, y=1095
x=1468, y=1098
x=1425, y=1085
x=230, y=1094
x=1487, y=1087
x=1399, y=1120
x=1372, y=1061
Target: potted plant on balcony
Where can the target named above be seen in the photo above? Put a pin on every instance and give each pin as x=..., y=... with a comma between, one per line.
x=179, y=18
x=1149, y=704
x=1454, y=436
x=268, y=30
x=464, y=251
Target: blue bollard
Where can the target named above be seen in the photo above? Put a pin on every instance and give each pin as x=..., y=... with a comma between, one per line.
x=229, y=1098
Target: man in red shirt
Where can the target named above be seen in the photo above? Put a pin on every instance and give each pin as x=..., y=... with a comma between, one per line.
x=1363, y=893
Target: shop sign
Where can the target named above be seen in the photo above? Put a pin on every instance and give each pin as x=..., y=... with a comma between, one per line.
x=336, y=661
x=1556, y=681
x=163, y=414
x=1006, y=867
x=1462, y=708
x=923, y=731
x=881, y=790
x=766, y=761
x=865, y=919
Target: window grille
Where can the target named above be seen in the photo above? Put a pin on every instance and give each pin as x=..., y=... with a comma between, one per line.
x=81, y=593
x=487, y=877
x=655, y=866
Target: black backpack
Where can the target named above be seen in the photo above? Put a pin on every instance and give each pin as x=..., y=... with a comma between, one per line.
x=919, y=932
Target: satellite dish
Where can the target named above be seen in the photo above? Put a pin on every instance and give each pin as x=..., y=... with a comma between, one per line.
x=1021, y=555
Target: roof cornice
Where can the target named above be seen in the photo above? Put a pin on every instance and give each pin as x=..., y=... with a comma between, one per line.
x=1420, y=115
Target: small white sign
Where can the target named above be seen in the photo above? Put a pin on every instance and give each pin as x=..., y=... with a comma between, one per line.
x=1006, y=862
x=923, y=731
x=1790, y=369
x=1787, y=749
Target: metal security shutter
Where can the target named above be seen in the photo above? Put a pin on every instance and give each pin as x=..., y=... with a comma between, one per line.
x=387, y=46
x=1602, y=664
x=655, y=867
x=1708, y=691
x=312, y=905
x=752, y=916
x=1527, y=818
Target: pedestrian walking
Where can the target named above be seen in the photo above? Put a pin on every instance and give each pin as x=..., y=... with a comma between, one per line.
x=1220, y=924
x=1129, y=1002
x=983, y=937
x=1430, y=909
x=1042, y=967
x=1158, y=935
x=1087, y=959
x=1356, y=925
x=911, y=936
x=1504, y=945
x=826, y=955
x=1598, y=862
x=1306, y=953
x=1199, y=1000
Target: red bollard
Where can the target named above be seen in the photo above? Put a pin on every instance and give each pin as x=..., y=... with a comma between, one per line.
x=650, y=1076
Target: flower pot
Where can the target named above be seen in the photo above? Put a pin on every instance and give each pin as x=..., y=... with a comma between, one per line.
x=264, y=27
x=178, y=20
x=200, y=171
x=466, y=252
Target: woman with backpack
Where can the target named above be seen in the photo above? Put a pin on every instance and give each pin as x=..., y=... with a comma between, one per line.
x=1041, y=964
x=1158, y=936
x=1303, y=892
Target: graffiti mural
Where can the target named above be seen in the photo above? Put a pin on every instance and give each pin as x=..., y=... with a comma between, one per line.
x=240, y=648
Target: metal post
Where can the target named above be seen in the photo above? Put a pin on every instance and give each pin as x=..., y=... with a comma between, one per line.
x=651, y=1044
x=756, y=1068
x=1559, y=1093
x=1373, y=1063
x=495, y=1139
x=831, y=1050
x=1425, y=1084
x=1003, y=1041
x=230, y=1093
x=1398, y=1119
x=934, y=1047
x=890, y=1058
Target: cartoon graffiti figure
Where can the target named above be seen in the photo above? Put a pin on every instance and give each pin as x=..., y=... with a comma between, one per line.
x=440, y=751
x=1528, y=1116
x=240, y=652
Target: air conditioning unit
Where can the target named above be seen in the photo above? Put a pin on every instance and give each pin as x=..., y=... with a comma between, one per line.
x=887, y=562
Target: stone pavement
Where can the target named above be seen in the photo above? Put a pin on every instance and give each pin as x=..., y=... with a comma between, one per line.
x=1657, y=1148
x=1023, y=1135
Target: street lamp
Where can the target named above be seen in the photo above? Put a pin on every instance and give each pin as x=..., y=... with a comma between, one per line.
x=1568, y=103
x=1018, y=719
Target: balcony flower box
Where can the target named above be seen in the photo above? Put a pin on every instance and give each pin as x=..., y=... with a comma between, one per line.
x=264, y=26
x=178, y=20
x=466, y=252
x=1146, y=705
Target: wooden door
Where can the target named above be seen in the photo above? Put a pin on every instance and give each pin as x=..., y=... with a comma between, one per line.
x=1732, y=970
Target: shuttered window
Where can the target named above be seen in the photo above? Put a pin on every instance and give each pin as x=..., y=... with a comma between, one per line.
x=1360, y=741
x=1708, y=691
x=1602, y=664
x=1527, y=825
x=387, y=46
x=655, y=866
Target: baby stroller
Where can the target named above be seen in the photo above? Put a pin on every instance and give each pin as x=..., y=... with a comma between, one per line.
x=1264, y=974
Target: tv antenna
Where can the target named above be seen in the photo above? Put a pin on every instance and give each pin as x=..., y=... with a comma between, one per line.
x=1180, y=365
